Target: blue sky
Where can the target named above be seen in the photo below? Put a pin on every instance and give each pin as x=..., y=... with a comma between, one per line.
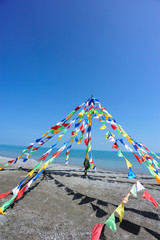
x=55, y=54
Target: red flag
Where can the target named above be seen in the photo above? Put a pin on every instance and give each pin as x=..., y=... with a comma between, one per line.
x=143, y=159
x=146, y=148
x=115, y=145
x=11, y=161
x=77, y=108
x=83, y=130
x=96, y=232
x=86, y=141
x=150, y=198
x=81, y=127
x=69, y=125
x=44, y=157
x=3, y=195
x=139, y=160
x=20, y=193
x=35, y=148
x=65, y=124
x=29, y=147
x=148, y=156
x=55, y=127
x=113, y=126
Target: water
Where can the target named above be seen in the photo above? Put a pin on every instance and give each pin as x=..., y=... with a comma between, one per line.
x=102, y=159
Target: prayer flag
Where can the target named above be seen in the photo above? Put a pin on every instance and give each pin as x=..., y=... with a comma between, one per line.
x=148, y=156
x=139, y=160
x=96, y=232
x=158, y=179
x=115, y=145
x=3, y=195
x=111, y=222
x=134, y=191
x=120, y=211
x=139, y=186
x=113, y=126
x=149, y=198
x=131, y=174
x=120, y=154
x=125, y=200
x=103, y=127
x=128, y=163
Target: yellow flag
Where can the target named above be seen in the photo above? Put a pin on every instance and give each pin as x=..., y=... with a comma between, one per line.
x=92, y=166
x=49, y=136
x=87, y=156
x=103, y=127
x=80, y=114
x=60, y=136
x=56, y=131
x=41, y=169
x=106, y=116
x=67, y=157
x=68, y=116
x=124, y=134
x=20, y=156
x=129, y=139
x=2, y=168
x=46, y=165
x=45, y=134
x=158, y=179
x=80, y=120
x=79, y=141
x=90, y=123
x=128, y=163
x=71, y=140
x=89, y=149
x=109, y=115
x=30, y=173
x=1, y=211
x=152, y=168
x=120, y=211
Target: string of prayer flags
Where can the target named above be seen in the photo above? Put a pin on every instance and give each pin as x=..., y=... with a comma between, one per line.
x=83, y=123
x=59, y=126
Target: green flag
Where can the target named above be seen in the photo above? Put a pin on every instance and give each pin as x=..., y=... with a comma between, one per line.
x=111, y=223
x=120, y=154
x=134, y=191
x=61, y=127
x=31, y=152
x=24, y=151
x=64, y=131
x=151, y=172
x=72, y=112
x=6, y=204
x=118, y=131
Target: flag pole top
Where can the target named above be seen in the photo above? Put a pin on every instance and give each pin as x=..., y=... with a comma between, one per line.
x=91, y=95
